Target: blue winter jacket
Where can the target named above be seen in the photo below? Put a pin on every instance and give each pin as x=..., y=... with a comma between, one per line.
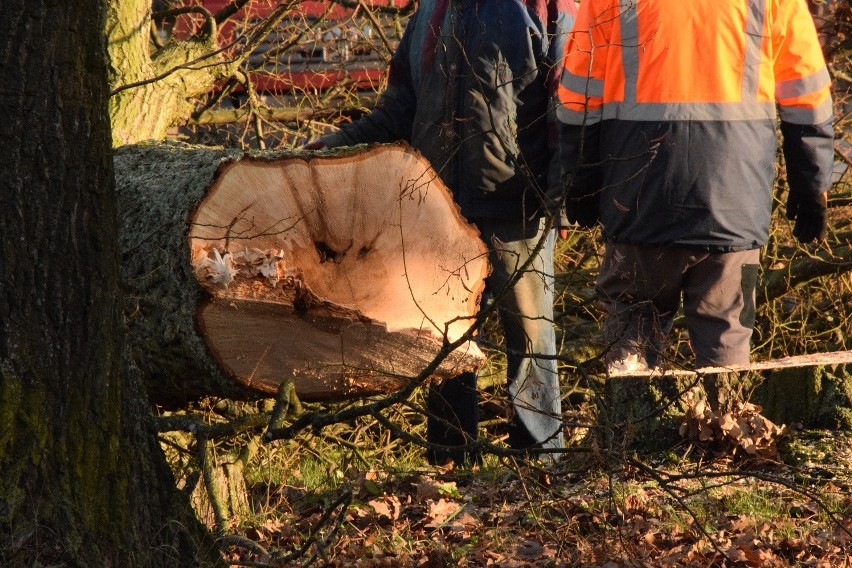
x=471, y=86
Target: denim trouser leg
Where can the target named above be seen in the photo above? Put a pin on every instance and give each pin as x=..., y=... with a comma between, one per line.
x=526, y=315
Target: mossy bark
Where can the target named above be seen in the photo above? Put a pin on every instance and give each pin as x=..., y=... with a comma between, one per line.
x=162, y=294
x=84, y=482
x=153, y=91
x=644, y=413
x=815, y=397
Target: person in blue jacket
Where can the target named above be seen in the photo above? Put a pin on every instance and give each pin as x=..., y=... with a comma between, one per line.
x=471, y=86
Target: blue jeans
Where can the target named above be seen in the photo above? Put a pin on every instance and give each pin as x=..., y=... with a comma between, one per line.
x=526, y=315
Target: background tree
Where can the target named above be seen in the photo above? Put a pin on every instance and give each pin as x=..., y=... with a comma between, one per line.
x=163, y=80
x=174, y=62
x=83, y=482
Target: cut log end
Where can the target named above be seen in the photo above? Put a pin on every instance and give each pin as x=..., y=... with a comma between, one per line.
x=346, y=274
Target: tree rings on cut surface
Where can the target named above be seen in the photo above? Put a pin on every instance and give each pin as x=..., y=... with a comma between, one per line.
x=344, y=272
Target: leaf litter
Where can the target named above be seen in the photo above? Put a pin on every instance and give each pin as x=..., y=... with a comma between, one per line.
x=727, y=509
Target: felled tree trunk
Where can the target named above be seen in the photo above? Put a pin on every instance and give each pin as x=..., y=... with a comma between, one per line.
x=346, y=273
x=646, y=411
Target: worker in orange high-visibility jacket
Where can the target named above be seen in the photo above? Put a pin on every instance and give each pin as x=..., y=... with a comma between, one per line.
x=668, y=115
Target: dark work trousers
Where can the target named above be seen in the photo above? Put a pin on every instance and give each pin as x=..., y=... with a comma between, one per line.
x=641, y=289
x=526, y=315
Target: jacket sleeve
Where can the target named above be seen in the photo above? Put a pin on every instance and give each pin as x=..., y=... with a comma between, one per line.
x=392, y=118
x=577, y=175
x=581, y=175
x=561, y=15
x=802, y=91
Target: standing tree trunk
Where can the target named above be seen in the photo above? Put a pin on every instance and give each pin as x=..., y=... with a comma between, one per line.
x=155, y=90
x=83, y=481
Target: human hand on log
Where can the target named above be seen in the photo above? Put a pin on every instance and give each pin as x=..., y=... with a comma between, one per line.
x=315, y=144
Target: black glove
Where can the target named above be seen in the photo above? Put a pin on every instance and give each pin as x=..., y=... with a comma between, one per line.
x=810, y=213
x=585, y=210
x=315, y=144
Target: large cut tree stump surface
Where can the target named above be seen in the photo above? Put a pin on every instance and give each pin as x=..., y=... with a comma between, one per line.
x=346, y=273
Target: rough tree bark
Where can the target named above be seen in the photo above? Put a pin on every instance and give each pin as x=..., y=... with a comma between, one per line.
x=155, y=88
x=646, y=410
x=84, y=482
x=345, y=273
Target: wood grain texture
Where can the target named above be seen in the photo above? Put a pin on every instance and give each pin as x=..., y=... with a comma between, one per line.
x=377, y=270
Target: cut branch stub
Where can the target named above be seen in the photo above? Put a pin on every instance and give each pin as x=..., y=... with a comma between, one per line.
x=345, y=273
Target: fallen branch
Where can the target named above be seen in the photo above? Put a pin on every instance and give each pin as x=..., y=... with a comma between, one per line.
x=779, y=281
x=810, y=360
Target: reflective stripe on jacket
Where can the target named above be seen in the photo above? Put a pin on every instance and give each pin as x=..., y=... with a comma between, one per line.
x=678, y=99
x=471, y=87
